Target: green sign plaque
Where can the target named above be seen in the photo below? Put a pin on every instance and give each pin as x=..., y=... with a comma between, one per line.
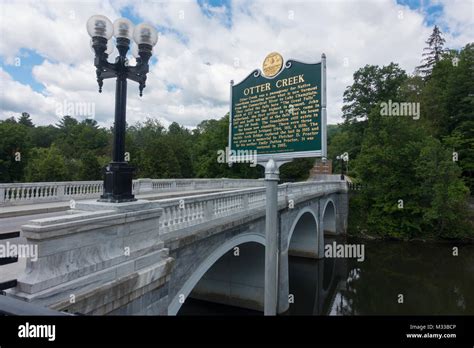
x=282, y=116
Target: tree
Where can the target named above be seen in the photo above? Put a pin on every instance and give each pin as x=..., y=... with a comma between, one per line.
x=447, y=107
x=90, y=168
x=461, y=143
x=181, y=141
x=372, y=85
x=442, y=194
x=159, y=160
x=46, y=165
x=14, y=150
x=432, y=54
x=43, y=136
x=385, y=166
x=25, y=120
x=296, y=170
x=76, y=138
x=212, y=136
x=139, y=139
x=412, y=186
x=67, y=137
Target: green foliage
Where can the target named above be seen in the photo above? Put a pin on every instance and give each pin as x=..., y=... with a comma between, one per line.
x=43, y=136
x=14, y=150
x=441, y=192
x=89, y=167
x=212, y=137
x=413, y=186
x=75, y=137
x=159, y=160
x=372, y=85
x=25, y=120
x=46, y=165
x=399, y=159
x=385, y=163
x=296, y=170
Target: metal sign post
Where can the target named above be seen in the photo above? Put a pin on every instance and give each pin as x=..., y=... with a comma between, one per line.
x=272, y=252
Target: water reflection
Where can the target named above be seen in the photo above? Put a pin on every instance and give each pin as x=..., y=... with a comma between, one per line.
x=431, y=280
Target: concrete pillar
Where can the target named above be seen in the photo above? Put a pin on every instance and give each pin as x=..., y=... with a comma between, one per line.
x=342, y=212
x=61, y=190
x=320, y=230
x=2, y=195
x=245, y=202
x=284, y=282
x=272, y=176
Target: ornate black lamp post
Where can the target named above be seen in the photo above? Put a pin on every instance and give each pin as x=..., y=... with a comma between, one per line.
x=343, y=158
x=118, y=174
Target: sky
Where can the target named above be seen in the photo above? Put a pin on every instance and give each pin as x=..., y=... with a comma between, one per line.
x=47, y=63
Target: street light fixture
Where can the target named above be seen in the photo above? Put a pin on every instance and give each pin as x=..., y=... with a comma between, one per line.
x=343, y=158
x=119, y=174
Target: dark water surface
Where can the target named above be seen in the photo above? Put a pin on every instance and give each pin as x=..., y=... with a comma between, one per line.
x=431, y=280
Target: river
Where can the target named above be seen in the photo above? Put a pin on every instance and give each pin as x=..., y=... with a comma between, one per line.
x=431, y=280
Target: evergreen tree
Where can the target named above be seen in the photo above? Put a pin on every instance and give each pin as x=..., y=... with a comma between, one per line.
x=433, y=53
x=25, y=120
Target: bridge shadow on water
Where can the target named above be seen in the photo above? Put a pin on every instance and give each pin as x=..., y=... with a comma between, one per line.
x=313, y=288
x=432, y=280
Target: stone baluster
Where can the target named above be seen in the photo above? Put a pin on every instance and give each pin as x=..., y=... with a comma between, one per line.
x=2, y=195
x=208, y=209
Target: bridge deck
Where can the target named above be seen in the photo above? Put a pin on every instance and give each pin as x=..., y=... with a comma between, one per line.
x=12, y=217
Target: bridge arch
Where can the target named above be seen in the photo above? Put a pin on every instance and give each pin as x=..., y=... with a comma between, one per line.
x=328, y=217
x=303, y=238
x=201, y=270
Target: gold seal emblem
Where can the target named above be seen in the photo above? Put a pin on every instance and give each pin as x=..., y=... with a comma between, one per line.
x=272, y=64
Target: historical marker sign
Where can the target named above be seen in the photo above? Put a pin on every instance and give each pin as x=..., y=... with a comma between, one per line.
x=281, y=115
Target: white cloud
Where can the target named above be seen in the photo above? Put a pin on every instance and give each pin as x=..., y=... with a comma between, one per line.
x=15, y=95
x=459, y=18
x=200, y=50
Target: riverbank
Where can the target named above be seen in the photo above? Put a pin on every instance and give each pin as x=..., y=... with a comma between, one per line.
x=365, y=236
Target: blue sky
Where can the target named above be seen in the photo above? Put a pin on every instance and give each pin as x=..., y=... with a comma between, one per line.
x=22, y=73
x=204, y=44
x=432, y=11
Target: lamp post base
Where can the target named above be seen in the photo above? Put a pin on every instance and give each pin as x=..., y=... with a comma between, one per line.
x=118, y=183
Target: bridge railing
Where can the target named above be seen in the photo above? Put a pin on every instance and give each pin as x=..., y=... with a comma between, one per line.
x=29, y=193
x=189, y=211
x=304, y=188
